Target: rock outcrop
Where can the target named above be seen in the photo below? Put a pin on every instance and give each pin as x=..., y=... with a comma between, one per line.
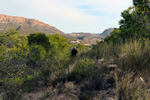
x=107, y=32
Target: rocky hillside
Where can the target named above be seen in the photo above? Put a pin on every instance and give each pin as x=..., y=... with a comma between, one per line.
x=26, y=26
x=87, y=38
x=107, y=32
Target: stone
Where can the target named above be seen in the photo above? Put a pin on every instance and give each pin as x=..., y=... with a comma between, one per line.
x=101, y=60
x=142, y=80
x=71, y=97
x=148, y=90
x=65, y=97
x=95, y=98
x=69, y=85
x=122, y=55
x=110, y=98
x=112, y=66
x=59, y=97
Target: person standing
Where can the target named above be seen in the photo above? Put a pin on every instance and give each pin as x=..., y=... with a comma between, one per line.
x=74, y=52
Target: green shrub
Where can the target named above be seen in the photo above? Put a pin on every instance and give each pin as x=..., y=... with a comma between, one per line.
x=82, y=69
x=105, y=50
x=39, y=39
x=45, y=72
x=12, y=92
x=36, y=56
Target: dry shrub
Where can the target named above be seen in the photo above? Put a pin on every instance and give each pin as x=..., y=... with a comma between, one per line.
x=131, y=87
x=137, y=55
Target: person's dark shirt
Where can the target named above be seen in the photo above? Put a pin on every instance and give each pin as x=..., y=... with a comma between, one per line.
x=74, y=52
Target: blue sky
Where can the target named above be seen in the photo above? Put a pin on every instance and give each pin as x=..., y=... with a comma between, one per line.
x=69, y=15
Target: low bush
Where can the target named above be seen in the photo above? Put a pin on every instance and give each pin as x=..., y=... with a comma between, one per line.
x=82, y=69
x=131, y=87
x=136, y=55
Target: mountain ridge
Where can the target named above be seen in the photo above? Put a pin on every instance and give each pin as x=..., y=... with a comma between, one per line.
x=26, y=26
x=107, y=32
x=33, y=25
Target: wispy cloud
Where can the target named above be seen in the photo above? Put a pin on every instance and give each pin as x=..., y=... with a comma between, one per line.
x=87, y=14
x=67, y=11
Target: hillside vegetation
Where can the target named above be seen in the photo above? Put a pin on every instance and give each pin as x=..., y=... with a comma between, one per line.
x=39, y=67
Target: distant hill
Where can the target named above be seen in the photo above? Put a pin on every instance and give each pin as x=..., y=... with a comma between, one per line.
x=26, y=26
x=107, y=32
x=98, y=33
x=87, y=38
